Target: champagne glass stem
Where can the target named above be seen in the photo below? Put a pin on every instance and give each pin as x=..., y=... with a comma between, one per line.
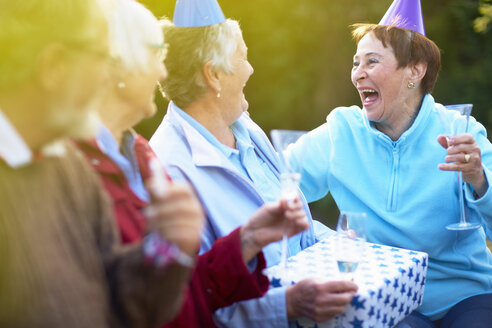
x=461, y=198
x=284, y=247
x=463, y=223
x=289, y=183
x=285, y=251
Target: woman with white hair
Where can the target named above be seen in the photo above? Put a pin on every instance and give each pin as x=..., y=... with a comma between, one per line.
x=206, y=138
x=123, y=159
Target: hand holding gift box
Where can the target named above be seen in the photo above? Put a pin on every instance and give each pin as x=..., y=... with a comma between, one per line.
x=391, y=282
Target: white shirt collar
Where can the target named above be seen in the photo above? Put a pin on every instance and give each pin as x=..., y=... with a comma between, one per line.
x=203, y=152
x=13, y=148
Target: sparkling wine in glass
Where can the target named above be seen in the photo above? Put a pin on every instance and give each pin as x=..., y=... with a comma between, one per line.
x=454, y=125
x=350, y=241
x=290, y=174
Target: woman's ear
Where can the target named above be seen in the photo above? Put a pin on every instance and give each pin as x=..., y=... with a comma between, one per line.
x=212, y=77
x=418, y=71
x=117, y=77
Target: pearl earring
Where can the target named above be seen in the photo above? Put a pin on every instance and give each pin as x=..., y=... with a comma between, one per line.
x=218, y=93
x=121, y=85
x=410, y=85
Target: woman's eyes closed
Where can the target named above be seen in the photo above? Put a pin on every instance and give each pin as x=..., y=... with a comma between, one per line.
x=369, y=62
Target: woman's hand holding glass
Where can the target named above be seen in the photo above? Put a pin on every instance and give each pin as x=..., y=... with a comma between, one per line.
x=290, y=175
x=270, y=223
x=463, y=156
x=174, y=213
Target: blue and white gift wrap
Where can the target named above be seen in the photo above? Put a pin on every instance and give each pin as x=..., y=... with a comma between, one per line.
x=391, y=282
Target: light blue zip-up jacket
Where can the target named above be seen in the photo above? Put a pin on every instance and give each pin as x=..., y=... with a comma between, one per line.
x=229, y=200
x=408, y=200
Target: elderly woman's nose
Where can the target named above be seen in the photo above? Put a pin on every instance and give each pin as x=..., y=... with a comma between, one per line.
x=359, y=73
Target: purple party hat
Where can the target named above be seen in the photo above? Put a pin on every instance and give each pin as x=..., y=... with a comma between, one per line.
x=405, y=14
x=194, y=13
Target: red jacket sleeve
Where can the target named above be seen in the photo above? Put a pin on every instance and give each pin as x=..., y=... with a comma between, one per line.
x=220, y=279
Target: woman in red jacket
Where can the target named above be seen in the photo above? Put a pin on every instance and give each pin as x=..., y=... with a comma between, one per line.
x=231, y=270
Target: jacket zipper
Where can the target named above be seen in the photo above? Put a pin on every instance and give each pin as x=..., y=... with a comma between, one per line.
x=393, y=191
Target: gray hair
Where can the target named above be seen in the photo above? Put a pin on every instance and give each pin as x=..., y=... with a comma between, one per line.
x=132, y=30
x=28, y=26
x=190, y=48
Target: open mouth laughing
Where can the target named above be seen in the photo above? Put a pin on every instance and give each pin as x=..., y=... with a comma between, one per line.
x=369, y=96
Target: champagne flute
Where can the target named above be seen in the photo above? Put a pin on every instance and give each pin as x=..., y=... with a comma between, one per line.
x=350, y=241
x=458, y=124
x=290, y=175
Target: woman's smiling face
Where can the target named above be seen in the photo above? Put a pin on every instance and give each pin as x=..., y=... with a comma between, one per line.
x=232, y=89
x=381, y=84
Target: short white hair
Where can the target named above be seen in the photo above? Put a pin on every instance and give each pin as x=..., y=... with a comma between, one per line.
x=190, y=48
x=222, y=47
x=133, y=29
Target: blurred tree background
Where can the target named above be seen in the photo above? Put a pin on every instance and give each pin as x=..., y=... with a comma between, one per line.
x=302, y=51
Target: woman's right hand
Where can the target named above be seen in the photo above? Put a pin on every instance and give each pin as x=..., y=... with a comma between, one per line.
x=269, y=223
x=177, y=215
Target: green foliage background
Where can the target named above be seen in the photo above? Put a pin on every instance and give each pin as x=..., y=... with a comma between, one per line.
x=302, y=51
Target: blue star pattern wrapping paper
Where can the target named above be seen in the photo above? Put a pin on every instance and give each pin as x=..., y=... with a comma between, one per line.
x=391, y=282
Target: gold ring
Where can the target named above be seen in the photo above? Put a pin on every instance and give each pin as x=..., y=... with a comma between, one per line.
x=467, y=158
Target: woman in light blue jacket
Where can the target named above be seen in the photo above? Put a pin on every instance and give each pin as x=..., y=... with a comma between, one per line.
x=391, y=160
x=207, y=138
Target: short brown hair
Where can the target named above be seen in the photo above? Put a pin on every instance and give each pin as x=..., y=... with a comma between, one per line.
x=409, y=48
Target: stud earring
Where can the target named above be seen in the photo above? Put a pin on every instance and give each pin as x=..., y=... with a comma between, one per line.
x=218, y=93
x=410, y=85
x=121, y=85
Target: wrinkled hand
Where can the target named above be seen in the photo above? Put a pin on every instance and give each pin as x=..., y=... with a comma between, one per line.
x=318, y=300
x=177, y=215
x=463, y=154
x=269, y=223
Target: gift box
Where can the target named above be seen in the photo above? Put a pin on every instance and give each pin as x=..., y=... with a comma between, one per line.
x=391, y=282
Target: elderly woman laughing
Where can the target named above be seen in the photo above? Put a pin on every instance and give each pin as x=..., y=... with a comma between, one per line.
x=386, y=159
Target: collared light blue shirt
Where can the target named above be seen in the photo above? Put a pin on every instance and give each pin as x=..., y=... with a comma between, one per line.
x=245, y=157
x=124, y=157
x=229, y=199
